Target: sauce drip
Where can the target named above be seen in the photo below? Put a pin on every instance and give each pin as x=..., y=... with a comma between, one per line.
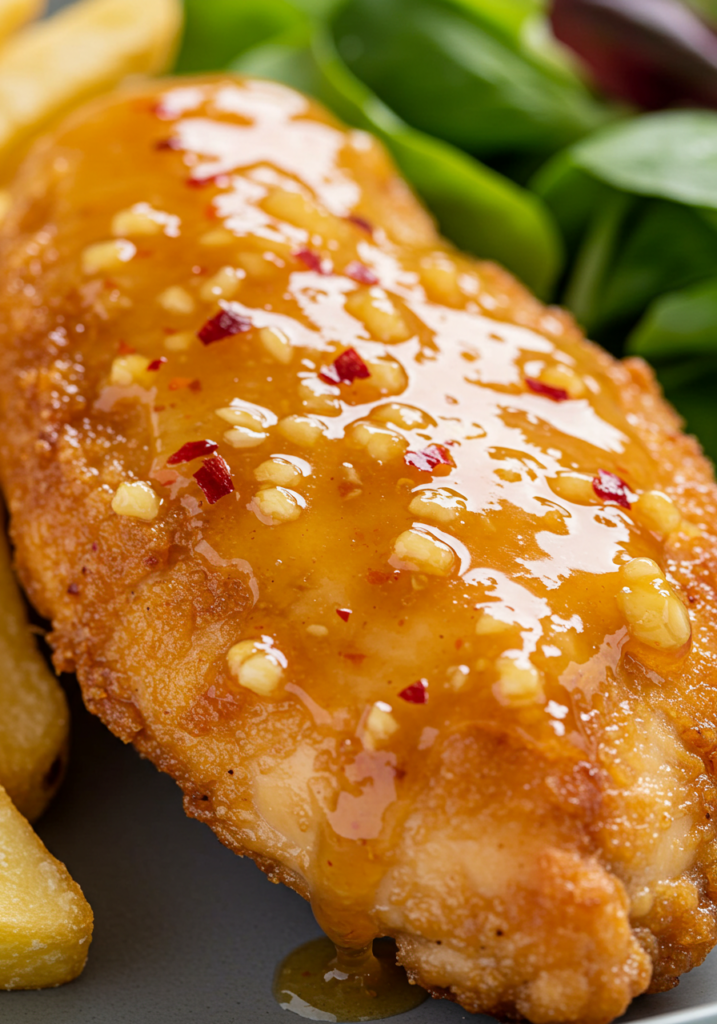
x=321, y=981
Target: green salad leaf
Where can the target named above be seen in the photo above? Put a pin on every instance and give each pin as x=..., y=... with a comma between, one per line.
x=679, y=325
x=461, y=72
x=637, y=204
x=672, y=155
x=217, y=31
x=478, y=209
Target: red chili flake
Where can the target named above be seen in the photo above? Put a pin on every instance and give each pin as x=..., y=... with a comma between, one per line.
x=214, y=478
x=376, y=577
x=220, y=180
x=416, y=693
x=610, y=487
x=427, y=459
x=345, y=369
x=165, y=477
x=344, y=613
x=313, y=261
x=358, y=271
x=355, y=659
x=167, y=144
x=124, y=349
x=156, y=364
x=556, y=394
x=161, y=111
x=225, y=324
x=192, y=450
x=73, y=588
x=194, y=385
x=177, y=383
x=361, y=222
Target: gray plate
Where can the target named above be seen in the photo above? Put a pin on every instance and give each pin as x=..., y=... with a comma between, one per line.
x=184, y=930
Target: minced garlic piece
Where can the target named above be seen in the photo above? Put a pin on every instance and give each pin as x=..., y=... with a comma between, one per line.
x=574, y=487
x=561, y=376
x=388, y=376
x=137, y=500
x=106, y=257
x=217, y=237
x=179, y=342
x=297, y=209
x=317, y=630
x=276, y=343
x=380, y=443
x=438, y=504
x=319, y=397
x=487, y=625
x=128, y=370
x=279, y=472
x=440, y=279
x=658, y=512
x=176, y=299
x=653, y=612
x=256, y=667
x=518, y=685
x=457, y=676
x=222, y=285
x=304, y=431
x=142, y=219
x=243, y=437
x=279, y=504
x=247, y=414
x=376, y=311
x=380, y=725
x=256, y=265
x=421, y=552
x=406, y=416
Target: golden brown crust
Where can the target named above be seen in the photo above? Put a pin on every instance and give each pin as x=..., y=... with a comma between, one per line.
x=539, y=836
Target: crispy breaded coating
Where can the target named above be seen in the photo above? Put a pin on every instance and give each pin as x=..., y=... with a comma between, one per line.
x=408, y=586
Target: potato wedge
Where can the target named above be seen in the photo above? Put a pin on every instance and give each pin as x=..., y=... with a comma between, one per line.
x=45, y=921
x=78, y=53
x=33, y=711
x=14, y=14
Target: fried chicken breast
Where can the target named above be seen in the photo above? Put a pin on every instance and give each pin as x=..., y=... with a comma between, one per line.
x=409, y=586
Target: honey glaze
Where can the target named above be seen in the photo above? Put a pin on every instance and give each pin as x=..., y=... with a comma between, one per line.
x=409, y=586
x=321, y=981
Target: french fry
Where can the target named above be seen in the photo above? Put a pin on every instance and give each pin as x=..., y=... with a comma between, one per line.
x=14, y=14
x=45, y=921
x=33, y=711
x=84, y=50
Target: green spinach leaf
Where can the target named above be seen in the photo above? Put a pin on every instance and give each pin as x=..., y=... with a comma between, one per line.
x=457, y=78
x=672, y=155
x=679, y=325
x=637, y=203
x=216, y=31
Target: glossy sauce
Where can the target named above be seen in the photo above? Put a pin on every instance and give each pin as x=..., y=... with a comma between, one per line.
x=319, y=981
x=434, y=543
